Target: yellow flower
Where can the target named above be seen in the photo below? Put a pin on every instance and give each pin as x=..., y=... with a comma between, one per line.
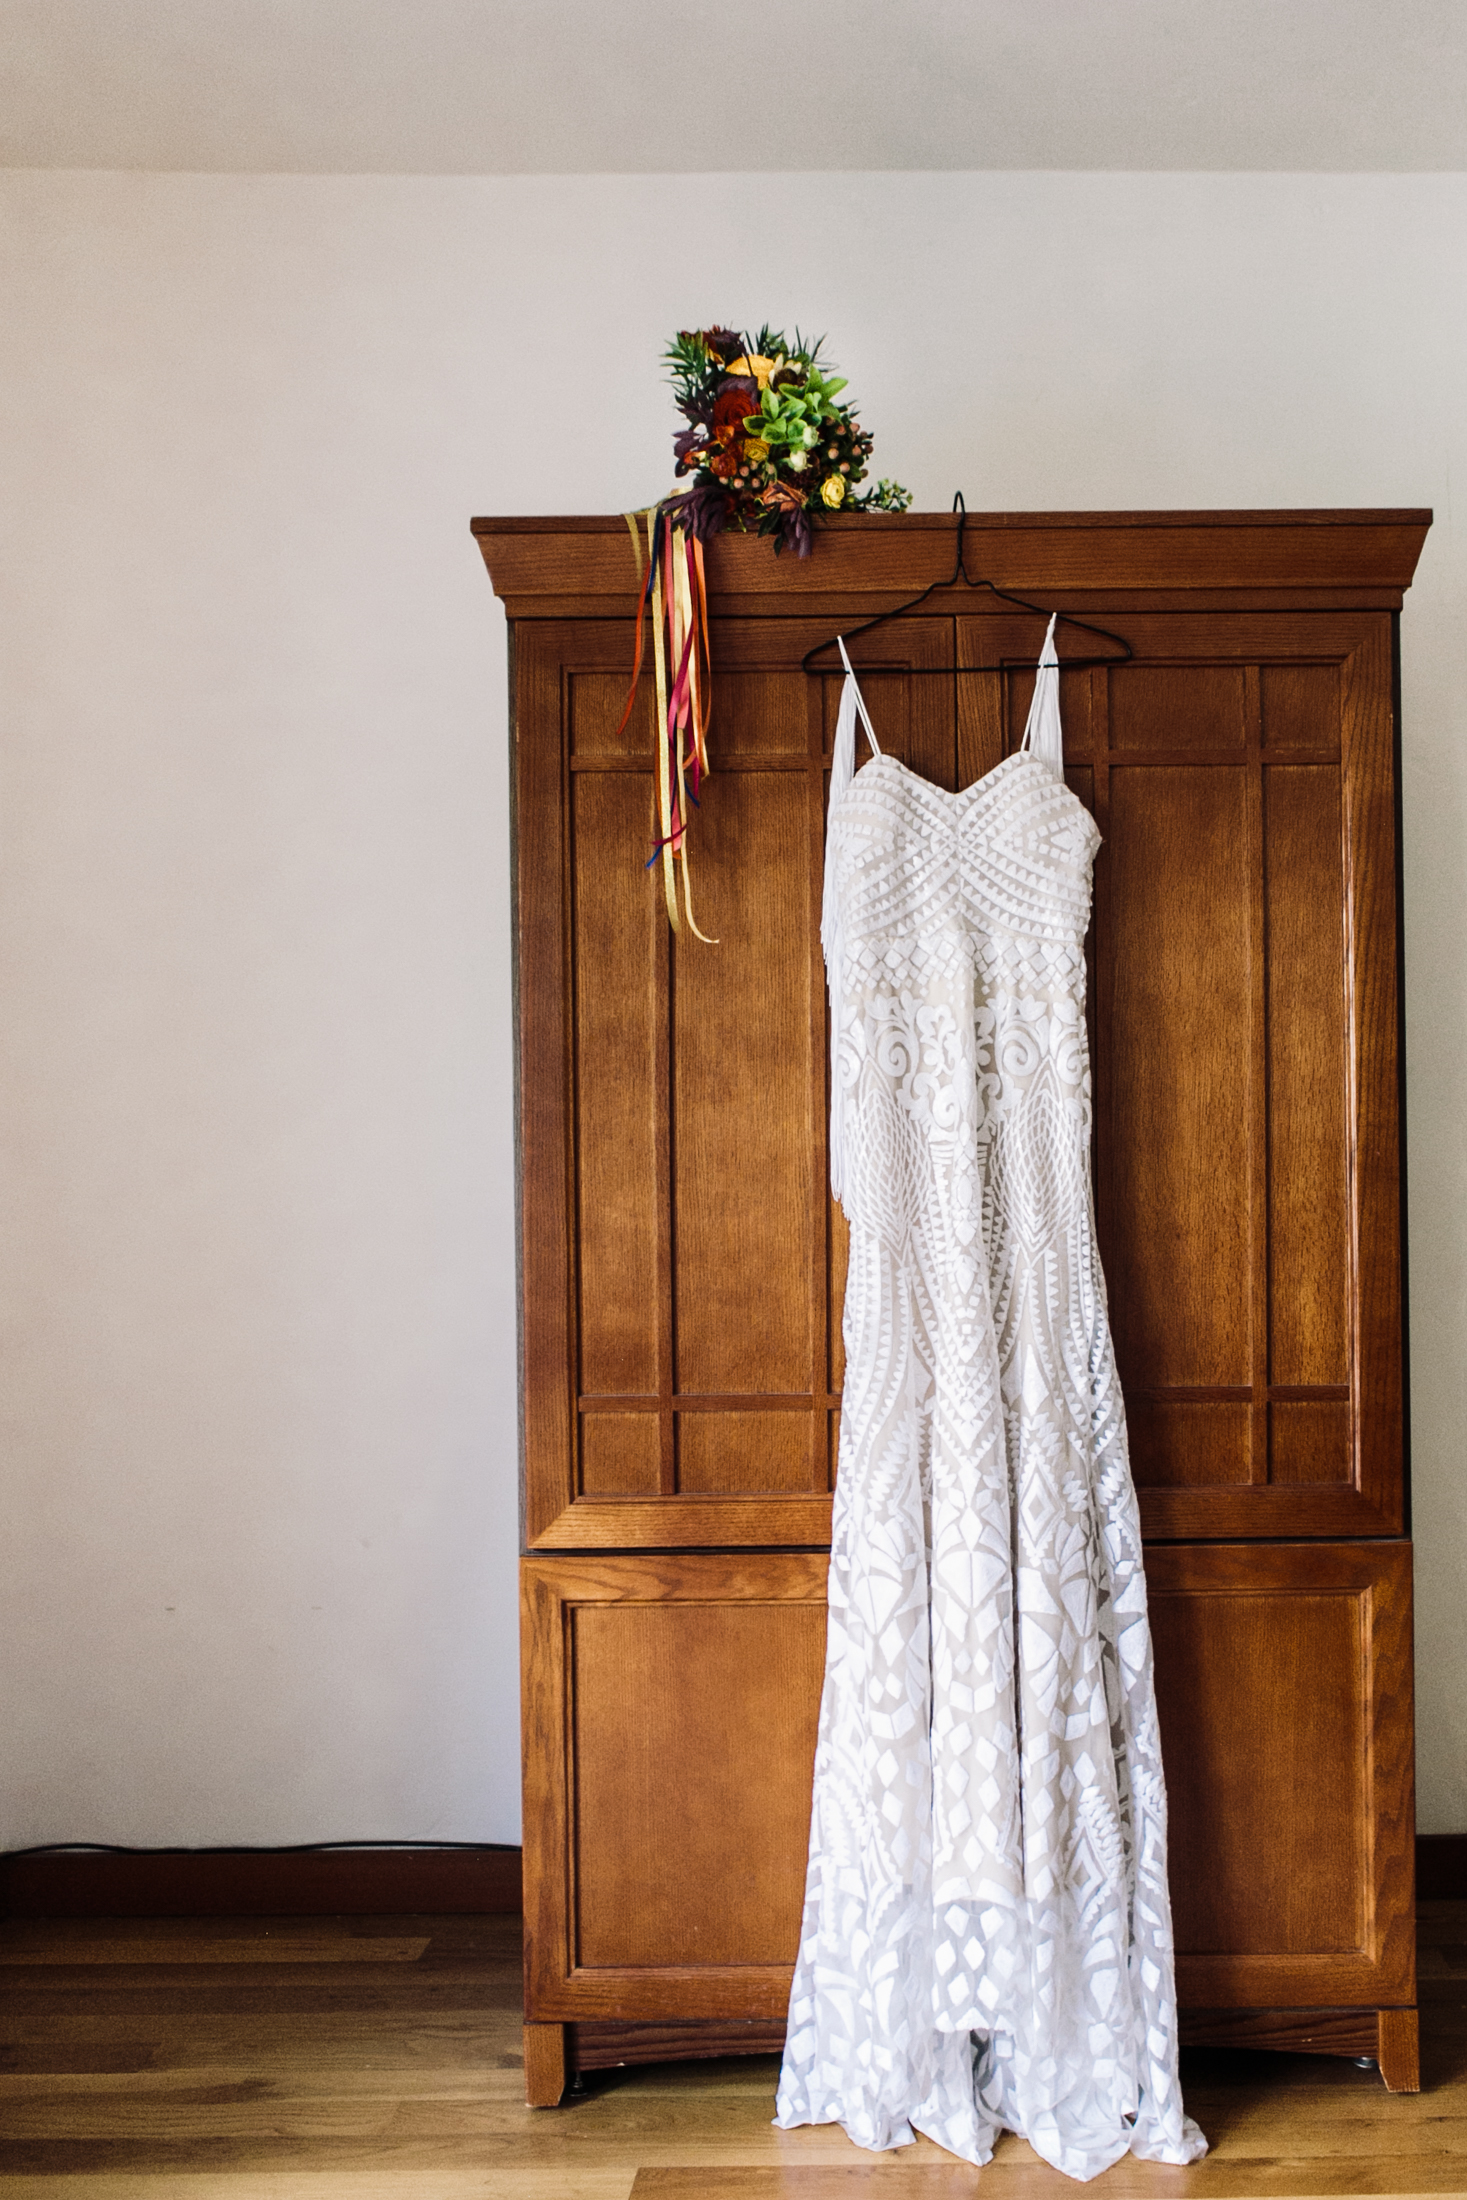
x=833, y=490
x=756, y=450
x=760, y=368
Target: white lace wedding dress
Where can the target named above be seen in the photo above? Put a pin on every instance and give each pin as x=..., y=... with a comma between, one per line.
x=986, y=1941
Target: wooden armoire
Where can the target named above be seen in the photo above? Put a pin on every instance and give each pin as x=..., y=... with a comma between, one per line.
x=681, y=1260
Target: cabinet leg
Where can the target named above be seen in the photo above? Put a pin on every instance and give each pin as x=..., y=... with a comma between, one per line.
x=1399, y=2053
x=545, y=2046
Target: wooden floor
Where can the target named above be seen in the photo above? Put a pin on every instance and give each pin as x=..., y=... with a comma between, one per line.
x=379, y=2059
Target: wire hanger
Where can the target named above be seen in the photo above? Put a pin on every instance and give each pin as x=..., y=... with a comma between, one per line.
x=960, y=572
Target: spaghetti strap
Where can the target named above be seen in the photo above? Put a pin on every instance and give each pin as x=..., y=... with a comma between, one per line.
x=853, y=687
x=1042, y=732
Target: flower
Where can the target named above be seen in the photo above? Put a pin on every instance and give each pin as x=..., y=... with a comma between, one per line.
x=720, y=343
x=797, y=461
x=760, y=367
x=833, y=491
x=756, y=450
x=731, y=409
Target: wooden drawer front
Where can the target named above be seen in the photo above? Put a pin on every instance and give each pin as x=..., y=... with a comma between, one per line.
x=670, y=1709
x=1284, y=1687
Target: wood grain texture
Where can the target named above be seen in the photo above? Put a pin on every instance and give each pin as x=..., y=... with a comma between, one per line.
x=1289, y=2031
x=542, y=1109
x=745, y=1095
x=1301, y=708
x=1308, y=1173
x=672, y=1175
x=617, y=1140
x=692, y=1804
x=1290, y=1887
x=1177, y=1027
x=355, y=2081
x=537, y=564
x=1373, y=1025
x=1399, y=2050
x=545, y=2065
x=665, y=1825
x=610, y=2046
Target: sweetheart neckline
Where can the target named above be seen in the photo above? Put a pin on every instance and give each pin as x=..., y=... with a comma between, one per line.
x=985, y=779
x=955, y=794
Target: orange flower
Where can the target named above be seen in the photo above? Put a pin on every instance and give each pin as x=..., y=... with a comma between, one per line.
x=731, y=408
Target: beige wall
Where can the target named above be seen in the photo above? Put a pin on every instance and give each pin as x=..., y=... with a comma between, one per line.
x=256, y=1241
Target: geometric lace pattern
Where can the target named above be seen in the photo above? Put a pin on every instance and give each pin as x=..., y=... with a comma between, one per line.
x=986, y=1942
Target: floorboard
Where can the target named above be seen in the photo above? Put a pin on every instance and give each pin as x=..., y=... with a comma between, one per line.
x=379, y=2059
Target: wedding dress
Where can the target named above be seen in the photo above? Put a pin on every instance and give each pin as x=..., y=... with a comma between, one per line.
x=986, y=1942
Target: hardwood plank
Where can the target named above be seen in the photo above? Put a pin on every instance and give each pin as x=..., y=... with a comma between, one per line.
x=176, y=1948
x=542, y=2181
x=373, y=2099
x=1270, y=2180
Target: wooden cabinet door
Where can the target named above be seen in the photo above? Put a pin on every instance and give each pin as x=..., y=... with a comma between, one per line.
x=670, y=1706
x=681, y=1307
x=1244, y=1043
x=1283, y=1675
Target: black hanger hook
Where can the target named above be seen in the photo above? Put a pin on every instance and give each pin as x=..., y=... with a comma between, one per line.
x=960, y=573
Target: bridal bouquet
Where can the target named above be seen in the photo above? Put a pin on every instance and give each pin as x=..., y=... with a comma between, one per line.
x=768, y=444
x=770, y=448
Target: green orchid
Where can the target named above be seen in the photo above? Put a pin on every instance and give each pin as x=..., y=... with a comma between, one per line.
x=792, y=414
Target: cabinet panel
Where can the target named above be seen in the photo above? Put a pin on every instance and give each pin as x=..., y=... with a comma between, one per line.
x=618, y=1139
x=746, y=1094
x=692, y=1803
x=670, y=1705
x=1178, y=707
x=1308, y=1156
x=720, y=1454
x=1283, y=1676
x=1178, y=1030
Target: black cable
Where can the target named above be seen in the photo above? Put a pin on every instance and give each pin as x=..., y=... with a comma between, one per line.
x=246, y=1848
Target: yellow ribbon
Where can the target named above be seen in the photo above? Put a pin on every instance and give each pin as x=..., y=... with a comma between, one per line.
x=680, y=605
x=664, y=784
x=686, y=637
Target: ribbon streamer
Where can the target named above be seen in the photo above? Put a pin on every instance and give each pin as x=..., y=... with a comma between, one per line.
x=675, y=585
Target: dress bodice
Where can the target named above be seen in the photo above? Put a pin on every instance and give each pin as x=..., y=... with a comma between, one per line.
x=1012, y=854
